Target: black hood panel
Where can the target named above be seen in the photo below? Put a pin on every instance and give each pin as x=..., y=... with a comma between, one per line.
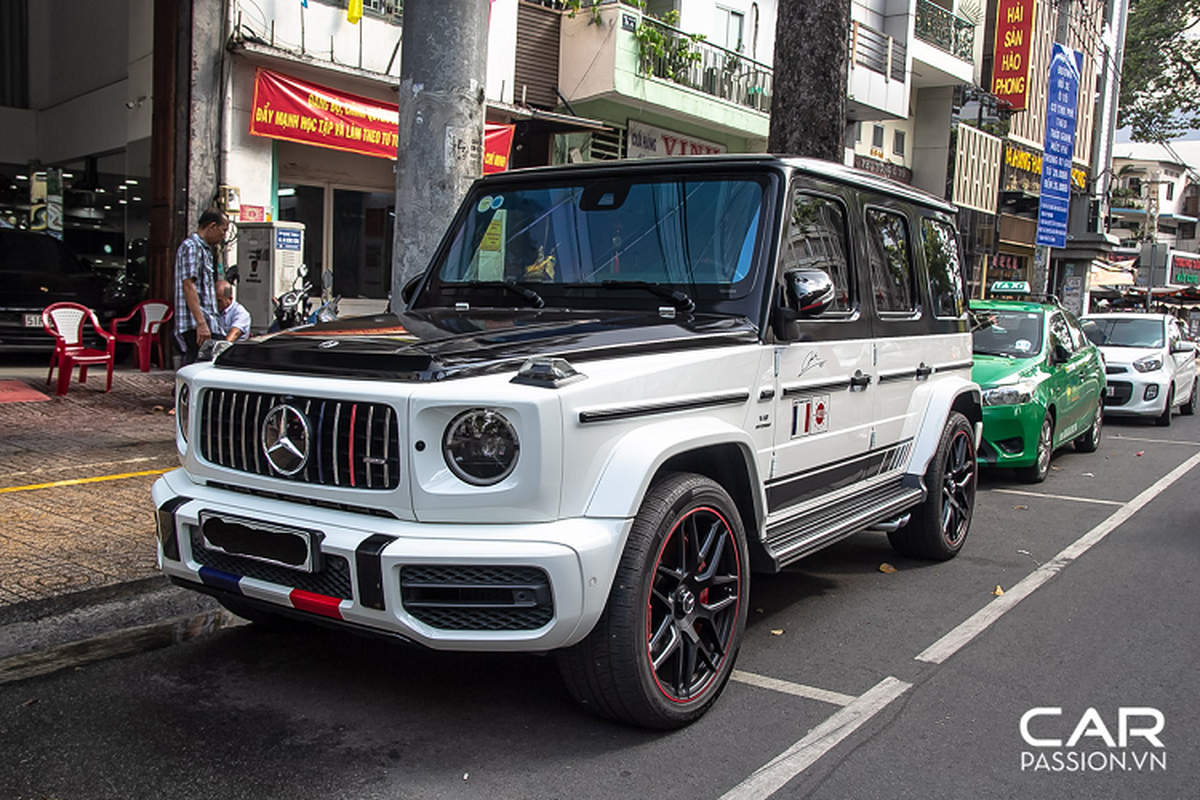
x=435, y=344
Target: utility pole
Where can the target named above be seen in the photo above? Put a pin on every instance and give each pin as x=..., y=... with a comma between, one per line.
x=443, y=66
x=1151, y=189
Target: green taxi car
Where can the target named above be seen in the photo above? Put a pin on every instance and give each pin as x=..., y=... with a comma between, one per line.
x=1042, y=380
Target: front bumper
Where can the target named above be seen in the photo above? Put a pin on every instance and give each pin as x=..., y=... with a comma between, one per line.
x=517, y=587
x=1010, y=435
x=1133, y=393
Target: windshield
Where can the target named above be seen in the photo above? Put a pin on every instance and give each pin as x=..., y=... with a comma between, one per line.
x=643, y=239
x=1010, y=333
x=1129, y=332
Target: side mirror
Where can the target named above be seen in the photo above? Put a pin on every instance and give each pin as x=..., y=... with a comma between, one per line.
x=1183, y=346
x=410, y=289
x=809, y=291
x=1060, y=353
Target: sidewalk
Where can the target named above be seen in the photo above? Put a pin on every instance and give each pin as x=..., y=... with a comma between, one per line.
x=77, y=536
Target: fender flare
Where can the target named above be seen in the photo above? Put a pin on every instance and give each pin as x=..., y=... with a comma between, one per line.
x=640, y=454
x=950, y=394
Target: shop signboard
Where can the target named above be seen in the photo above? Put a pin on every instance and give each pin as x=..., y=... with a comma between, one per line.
x=1059, y=146
x=1185, y=269
x=497, y=144
x=647, y=141
x=1014, y=35
x=295, y=110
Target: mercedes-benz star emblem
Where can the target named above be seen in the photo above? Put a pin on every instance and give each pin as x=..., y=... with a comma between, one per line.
x=285, y=435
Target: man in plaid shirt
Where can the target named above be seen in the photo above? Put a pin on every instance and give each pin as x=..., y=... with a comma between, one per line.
x=195, y=300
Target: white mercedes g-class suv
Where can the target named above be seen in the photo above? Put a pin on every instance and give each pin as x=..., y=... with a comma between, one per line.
x=617, y=390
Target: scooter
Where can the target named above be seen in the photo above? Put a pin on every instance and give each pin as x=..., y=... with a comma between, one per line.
x=291, y=307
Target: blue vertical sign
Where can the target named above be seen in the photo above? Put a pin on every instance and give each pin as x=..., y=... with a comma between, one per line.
x=1059, y=146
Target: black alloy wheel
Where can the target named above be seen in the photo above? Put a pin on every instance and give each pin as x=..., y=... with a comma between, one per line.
x=940, y=524
x=664, y=647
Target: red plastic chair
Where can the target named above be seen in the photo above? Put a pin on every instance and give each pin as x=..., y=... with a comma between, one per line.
x=64, y=321
x=153, y=314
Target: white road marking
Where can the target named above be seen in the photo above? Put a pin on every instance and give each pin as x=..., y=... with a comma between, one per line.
x=1058, y=497
x=774, y=775
x=794, y=689
x=1151, y=441
x=950, y=644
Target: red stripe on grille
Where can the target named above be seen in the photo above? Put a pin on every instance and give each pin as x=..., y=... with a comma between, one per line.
x=350, y=455
x=316, y=603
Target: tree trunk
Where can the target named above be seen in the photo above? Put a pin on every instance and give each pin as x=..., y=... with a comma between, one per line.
x=812, y=54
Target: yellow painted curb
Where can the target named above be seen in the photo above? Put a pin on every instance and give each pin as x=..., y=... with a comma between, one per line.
x=77, y=481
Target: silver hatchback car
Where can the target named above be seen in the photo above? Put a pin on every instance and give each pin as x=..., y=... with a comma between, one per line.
x=1150, y=363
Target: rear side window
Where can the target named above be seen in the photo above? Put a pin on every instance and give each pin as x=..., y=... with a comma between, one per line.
x=945, y=275
x=891, y=262
x=817, y=240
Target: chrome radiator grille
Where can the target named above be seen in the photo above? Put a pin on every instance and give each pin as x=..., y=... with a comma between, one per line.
x=351, y=444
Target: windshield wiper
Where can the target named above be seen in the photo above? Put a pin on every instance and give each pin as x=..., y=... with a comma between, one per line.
x=678, y=299
x=530, y=295
x=533, y=297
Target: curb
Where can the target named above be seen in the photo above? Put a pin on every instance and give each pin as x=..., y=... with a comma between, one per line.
x=44, y=636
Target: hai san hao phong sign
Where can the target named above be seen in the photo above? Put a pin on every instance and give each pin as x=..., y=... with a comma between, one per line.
x=298, y=111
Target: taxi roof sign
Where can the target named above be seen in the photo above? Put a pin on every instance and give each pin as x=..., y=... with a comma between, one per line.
x=1011, y=287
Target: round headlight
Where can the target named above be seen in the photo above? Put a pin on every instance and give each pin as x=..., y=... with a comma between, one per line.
x=183, y=398
x=480, y=446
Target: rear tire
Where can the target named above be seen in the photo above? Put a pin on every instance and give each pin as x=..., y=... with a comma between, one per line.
x=1037, y=472
x=1164, y=419
x=1090, y=441
x=939, y=526
x=665, y=645
x=1189, y=408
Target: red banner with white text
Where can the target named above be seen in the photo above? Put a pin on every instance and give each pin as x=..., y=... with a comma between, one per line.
x=298, y=111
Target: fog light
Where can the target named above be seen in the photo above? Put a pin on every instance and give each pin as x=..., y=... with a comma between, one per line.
x=1151, y=392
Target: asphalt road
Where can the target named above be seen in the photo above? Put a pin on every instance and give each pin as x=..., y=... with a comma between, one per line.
x=853, y=682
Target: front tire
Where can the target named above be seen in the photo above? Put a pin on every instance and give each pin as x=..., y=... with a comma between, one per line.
x=1189, y=408
x=1090, y=441
x=1037, y=472
x=1164, y=419
x=941, y=523
x=665, y=645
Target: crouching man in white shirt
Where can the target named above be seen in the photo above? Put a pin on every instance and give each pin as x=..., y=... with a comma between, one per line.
x=234, y=318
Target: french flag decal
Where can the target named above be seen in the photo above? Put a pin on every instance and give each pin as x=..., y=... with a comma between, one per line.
x=298, y=599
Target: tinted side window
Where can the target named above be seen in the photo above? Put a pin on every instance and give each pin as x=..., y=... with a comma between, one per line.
x=891, y=261
x=1060, y=334
x=817, y=240
x=945, y=277
x=1080, y=341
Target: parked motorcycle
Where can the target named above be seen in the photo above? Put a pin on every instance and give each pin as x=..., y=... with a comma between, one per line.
x=292, y=307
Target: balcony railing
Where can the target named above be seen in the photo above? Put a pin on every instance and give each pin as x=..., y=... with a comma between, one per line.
x=877, y=51
x=670, y=54
x=945, y=30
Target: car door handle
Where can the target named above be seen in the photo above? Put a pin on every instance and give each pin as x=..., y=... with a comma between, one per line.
x=859, y=380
